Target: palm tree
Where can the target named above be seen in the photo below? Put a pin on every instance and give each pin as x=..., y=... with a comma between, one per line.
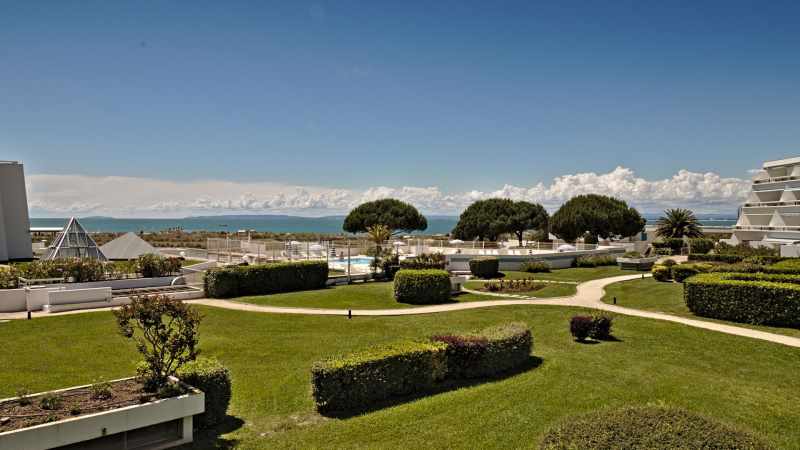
x=678, y=223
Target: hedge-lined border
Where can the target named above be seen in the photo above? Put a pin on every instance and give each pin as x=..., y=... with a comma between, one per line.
x=754, y=298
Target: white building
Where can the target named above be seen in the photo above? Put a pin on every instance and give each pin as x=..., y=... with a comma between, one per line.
x=771, y=214
x=15, y=236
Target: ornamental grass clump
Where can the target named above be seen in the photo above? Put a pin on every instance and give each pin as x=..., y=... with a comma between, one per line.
x=165, y=333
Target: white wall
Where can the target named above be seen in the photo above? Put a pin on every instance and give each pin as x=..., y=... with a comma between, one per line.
x=15, y=237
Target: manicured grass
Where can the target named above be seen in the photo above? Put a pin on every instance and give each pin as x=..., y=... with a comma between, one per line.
x=550, y=290
x=667, y=297
x=372, y=295
x=745, y=382
x=190, y=262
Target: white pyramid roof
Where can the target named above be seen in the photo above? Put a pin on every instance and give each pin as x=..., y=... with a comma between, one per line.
x=74, y=242
x=127, y=246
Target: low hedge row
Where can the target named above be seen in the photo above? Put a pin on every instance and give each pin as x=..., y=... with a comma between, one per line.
x=755, y=298
x=485, y=267
x=214, y=379
x=424, y=261
x=681, y=272
x=595, y=261
x=422, y=287
x=488, y=353
x=265, y=279
x=352, y=383
x=730, y=259
x=535, y=266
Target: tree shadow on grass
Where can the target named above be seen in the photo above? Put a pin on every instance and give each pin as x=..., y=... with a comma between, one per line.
x=212, y=437
x=445, y=386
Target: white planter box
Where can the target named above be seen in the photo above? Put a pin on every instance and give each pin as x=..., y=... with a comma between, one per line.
x=177, y=411
x=456, y=282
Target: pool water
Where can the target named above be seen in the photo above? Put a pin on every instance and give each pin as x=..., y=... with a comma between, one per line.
x=365, y=260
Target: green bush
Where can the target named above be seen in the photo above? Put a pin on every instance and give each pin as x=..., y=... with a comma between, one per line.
x=668, y=263
x=787, y=263
x=422, y=287
x=487, y=353
x=211, y=377
x=595, y=261
x=534, y=266
x=647, y=428
x=763, y=259
x=664, y=252
x=673, y=244
x=485, y=267
x=681, y=272
x=353, y=382
x=713, y=257
x=265, y=279
x=424, y=261
x=661, y=273
x=745, y=250
x=701, y=245
x=150, y=265
x=755, y=298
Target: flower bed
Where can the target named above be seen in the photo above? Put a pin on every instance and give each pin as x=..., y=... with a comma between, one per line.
x=511, y=286
x=99, y=411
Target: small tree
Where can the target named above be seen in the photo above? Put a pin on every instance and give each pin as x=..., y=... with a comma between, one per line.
x=165, y=333
x=488, y=219
x=528, y=216
x=378, y=234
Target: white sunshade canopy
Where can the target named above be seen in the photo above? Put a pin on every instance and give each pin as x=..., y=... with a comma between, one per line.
x=566, y=248
x=456, y=241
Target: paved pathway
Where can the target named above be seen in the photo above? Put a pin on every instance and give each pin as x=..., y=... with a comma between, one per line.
x=588, y=295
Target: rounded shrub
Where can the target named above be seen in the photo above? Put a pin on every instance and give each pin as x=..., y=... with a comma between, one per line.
x=485, y=267
x=422, y=287
x=681, y=272
x=581, y=327
x=647, y=427
x=601, y=328
x=214, y=379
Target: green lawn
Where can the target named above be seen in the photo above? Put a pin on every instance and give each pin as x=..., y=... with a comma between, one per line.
x=667, y=297
x=742, y=381
x=371, y=295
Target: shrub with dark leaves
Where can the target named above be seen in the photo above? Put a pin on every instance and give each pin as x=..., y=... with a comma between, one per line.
x=601, y=328
x=581, y=327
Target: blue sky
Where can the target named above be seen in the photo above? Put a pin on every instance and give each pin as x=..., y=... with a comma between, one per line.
x=355, y=96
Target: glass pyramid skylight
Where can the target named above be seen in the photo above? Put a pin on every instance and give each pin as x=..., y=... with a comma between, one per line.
x=74, y=242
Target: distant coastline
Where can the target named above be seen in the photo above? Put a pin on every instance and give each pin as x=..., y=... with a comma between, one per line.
x=273, y=223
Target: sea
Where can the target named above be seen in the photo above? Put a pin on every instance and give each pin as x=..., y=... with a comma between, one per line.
x=272, y=223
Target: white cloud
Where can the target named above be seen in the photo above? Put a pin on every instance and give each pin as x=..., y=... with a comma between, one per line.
x=129, y=196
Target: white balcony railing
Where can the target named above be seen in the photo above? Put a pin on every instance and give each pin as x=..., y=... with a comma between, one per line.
x=767, y=228
x=776, y=179
x=768, y=204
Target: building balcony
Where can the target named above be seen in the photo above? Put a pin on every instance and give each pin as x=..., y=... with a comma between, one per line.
x=770, y=204
x=767, y=228
x=782, y=179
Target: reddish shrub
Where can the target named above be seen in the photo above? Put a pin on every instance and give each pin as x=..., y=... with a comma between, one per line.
x=581, y=327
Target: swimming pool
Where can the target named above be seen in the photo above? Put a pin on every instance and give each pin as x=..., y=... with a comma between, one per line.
x=361, y=260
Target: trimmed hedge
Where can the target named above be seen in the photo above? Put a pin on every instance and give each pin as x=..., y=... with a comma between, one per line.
x=647, y=428
x=730, y=259
x=265, y=279
x=661, y=273
x=764, y=259
x=681, y=272
x=701, y=245
x=214, y=379
x=535, y=266
x=595, y=261
x=755, y=298
x=422, y=287
x=424, y=261
x=674, y=244
x=488, y=353
x=485, y=267
x=353, y=382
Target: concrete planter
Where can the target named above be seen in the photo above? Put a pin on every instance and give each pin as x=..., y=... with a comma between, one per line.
x=636, y=263
x=155, y=425
x=456, y=282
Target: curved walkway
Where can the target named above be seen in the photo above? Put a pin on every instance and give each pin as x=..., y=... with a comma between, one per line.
x=588, y=295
